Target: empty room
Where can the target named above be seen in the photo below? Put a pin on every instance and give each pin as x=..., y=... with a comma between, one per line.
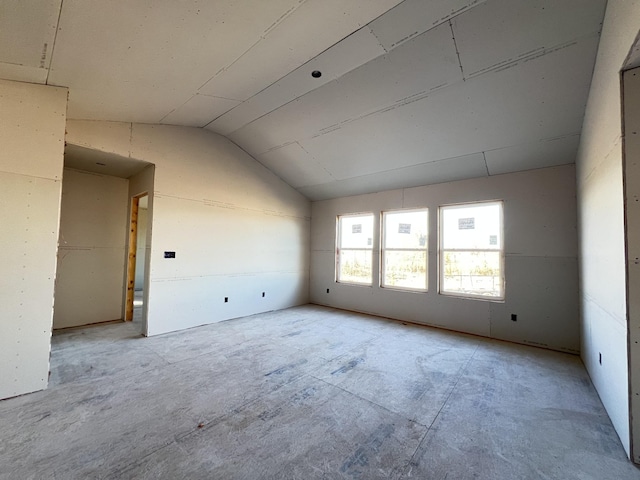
x=304, y=239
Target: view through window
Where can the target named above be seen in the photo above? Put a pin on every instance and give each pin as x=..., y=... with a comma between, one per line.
x=472, y=250
x=355, y=249
x=404, y=249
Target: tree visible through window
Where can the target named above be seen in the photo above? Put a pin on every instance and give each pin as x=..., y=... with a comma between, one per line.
x=472, y=250
x=355, y=249
x=404, y=249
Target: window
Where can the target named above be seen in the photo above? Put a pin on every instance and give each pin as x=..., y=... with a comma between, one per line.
x=354, y=251
x=472, y=250
x=404, y=249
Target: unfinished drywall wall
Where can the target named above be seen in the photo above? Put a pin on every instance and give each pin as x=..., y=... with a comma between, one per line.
x=631, y=87
x=141, y=247
x=236, y=229
x=601, y=220
x=91, y=255
x=31, y=162
x=540, y=264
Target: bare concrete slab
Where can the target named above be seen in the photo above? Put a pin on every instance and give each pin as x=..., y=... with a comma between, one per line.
x=309, y=392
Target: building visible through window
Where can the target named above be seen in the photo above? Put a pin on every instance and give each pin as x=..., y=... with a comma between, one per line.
x=404, y=249
x=354, y=253
x=472, y=250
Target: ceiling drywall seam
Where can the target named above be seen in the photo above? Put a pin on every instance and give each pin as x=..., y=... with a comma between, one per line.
x=395, y=169
x=289, y=73
x=266, y=32
x=485, y=164
x=53, y=47
x=455, y=44
x=317, y=162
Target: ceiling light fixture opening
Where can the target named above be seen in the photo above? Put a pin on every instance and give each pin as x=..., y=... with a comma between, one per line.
x=316, y=74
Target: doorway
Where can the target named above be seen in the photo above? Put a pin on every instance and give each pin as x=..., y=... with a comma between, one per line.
x=136, y=259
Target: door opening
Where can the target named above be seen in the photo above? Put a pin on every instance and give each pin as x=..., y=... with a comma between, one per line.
x=136, y=258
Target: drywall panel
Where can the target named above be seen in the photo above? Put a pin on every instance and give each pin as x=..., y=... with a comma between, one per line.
x=141, y=247
x=148, y=61
x=31, y=159
x=104, y=163
x=426, y=63
x=605, y=357
x=89, y=286
x=448, y=170
x=199, y=110
x=239, y=233
x=306, y=32
x=541, y=282
x=601, y=220
x=533, y=27
x=631, y=110
x=106, y=137
x=545, y=153
x=543, y=294
x=20, y=73
x=27, y=32
x=29, y=215
x=295, y=166
x=234, y=226
x=32, y=113
x=413, y=17
x=351, y=52
x=91, y=259
x=200, y=300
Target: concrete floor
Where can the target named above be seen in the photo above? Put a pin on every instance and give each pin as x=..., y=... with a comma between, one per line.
x=305, y=393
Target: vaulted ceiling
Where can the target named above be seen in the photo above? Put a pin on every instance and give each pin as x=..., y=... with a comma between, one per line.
x=411, y=92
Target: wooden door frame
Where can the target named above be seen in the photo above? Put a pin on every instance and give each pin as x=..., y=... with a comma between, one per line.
x=131, y=256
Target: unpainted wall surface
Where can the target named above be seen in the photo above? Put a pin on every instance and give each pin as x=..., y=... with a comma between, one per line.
x=236, y=229
x=31, y=162
x=540, y=264
x=632, y=220
x=141, y=247
x=599, y=173
x=92, y=248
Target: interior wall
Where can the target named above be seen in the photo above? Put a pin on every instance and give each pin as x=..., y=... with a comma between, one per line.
x=236, y=229
x=601, y=220
x=632, y=221
x=141, y=247
x=92, y=248
x=31, y=162
x=540, y=259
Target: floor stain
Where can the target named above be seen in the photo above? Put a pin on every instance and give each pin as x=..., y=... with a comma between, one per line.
x=349, y=366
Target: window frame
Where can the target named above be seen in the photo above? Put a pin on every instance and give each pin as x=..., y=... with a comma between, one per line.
x=442, y=251
x=383, y=248
x=339, y=248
